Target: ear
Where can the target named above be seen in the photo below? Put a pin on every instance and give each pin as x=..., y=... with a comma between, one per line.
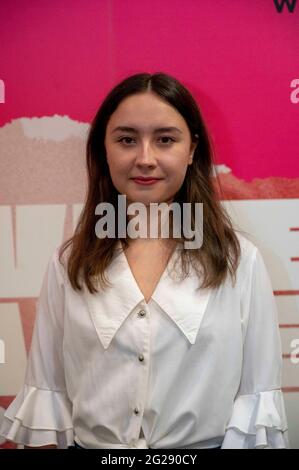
x=192, y=150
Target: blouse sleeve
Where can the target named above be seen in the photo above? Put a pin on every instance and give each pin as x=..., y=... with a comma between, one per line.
x=258, y=419
x=41, y=413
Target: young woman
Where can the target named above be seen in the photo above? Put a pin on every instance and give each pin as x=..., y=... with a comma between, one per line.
x=143, y=342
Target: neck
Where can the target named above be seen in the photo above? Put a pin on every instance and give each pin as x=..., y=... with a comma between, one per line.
x=154, y=219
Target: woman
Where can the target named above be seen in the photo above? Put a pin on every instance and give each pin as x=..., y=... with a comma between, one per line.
x=127, y=355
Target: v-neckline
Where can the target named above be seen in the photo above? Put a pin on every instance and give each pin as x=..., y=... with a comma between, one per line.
x=129, y=270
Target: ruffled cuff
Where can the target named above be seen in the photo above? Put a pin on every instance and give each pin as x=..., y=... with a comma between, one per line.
x=38, y=417
x=258, y=422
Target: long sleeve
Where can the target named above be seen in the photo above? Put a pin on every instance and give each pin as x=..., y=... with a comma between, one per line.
x=41, y=413
x=258, y=418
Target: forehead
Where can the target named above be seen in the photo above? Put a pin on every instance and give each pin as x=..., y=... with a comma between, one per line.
x=146, y=112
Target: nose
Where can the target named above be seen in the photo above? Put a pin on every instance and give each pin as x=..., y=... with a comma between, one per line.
x=146, y=156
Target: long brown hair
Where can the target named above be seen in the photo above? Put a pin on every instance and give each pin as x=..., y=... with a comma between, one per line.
x=89, y=255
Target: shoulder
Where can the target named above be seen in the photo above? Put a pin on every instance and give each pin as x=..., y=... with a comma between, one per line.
x=248, y=254
x=57, y=264
x=253, y=268
x=248, y=247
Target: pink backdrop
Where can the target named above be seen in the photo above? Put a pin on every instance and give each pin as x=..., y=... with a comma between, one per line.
x=239, y=58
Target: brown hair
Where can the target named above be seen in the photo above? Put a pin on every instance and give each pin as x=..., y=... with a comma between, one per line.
x=90, y=255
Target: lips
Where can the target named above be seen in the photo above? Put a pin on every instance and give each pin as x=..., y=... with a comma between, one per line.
x=146, y=180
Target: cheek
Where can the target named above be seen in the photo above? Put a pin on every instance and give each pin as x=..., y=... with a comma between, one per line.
x=177, y=167
x=116, y=163
x=179, y=179
x=118, y=170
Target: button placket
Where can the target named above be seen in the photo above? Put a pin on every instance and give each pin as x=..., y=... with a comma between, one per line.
x=142, y=313
x=142, y=391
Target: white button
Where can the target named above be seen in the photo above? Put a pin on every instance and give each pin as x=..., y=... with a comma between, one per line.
x=141, y=357
x=141, y=313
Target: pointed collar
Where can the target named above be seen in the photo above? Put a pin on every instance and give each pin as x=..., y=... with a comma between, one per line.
x=179, y=299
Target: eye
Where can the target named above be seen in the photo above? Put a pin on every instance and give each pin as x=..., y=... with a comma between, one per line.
x=122, y=139
x=167, y=137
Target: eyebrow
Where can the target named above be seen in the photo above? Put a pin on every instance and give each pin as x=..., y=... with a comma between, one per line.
x=160, y=129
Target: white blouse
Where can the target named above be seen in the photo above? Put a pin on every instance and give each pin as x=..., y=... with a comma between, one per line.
x=190, y=369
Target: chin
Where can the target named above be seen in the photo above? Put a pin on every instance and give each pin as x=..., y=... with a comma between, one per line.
x=145, y=199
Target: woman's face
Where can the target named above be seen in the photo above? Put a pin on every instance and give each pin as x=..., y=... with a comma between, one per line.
x=146, y=150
